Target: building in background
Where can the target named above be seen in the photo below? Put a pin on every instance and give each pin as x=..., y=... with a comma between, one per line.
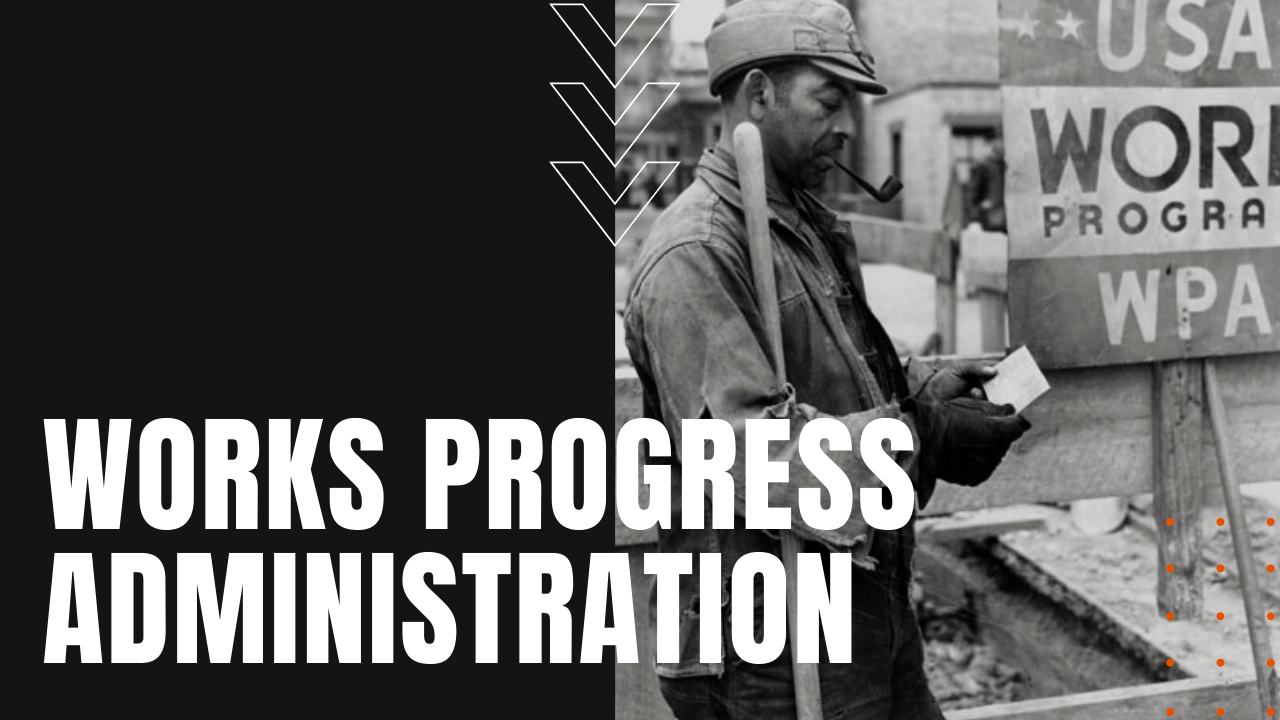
x=940, y=61
x=692, y=116
x=652, y=66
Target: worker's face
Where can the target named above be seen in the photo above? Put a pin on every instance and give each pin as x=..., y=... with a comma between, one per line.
x=805, y=124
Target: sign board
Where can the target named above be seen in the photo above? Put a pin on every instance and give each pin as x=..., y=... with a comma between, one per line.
x=1143, y=188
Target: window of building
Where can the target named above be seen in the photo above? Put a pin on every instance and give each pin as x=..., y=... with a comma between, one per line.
x=895, y=153
x=969, y=146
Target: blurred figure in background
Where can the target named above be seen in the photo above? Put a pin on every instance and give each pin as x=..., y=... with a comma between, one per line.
x=985, y=196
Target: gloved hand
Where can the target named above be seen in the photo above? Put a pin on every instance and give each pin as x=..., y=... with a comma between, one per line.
x=956, y=380
x=964, y=440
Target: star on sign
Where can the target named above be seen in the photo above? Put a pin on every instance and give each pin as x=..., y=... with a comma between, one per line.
x=1026, y=26
x=1070, y=26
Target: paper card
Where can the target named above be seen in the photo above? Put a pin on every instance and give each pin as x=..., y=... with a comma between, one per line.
x=1018, y=381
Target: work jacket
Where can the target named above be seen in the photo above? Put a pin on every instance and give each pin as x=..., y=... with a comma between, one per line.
x=699, y=346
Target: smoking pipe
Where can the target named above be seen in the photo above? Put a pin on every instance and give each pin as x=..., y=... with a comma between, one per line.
x=888, y=190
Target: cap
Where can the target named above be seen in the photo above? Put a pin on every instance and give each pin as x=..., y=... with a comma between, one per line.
x=755, y=32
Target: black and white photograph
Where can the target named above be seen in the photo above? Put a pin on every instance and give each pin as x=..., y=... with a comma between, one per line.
x=946, y=360
x=1041, y=232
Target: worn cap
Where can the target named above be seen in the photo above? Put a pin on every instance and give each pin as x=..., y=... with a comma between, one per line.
x=755, y=32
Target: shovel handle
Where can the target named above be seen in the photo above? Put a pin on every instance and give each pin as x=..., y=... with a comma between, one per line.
x=749, y=153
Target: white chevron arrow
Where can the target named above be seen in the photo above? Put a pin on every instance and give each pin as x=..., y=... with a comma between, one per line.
x=659, y=8
x=612, y=160
x=615, y=200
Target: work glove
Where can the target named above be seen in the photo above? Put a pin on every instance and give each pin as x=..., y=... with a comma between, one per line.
x=959, y=379
x=962, y=441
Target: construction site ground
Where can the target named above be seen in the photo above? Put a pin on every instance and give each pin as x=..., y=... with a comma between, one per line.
x=1118, y=572
x=1116, y=575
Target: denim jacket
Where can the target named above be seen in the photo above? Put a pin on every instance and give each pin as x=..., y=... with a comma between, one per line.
x=698, y=344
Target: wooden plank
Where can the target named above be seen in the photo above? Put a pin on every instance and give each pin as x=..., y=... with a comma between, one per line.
x=1091, y=435
x=1177, y=461
x=1194, y=698
x=1059, y=306
x=918, y=247
x=984, y=260
x=980, y=524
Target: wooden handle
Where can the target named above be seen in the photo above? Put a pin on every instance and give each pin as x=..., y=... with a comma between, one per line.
x=749, y=152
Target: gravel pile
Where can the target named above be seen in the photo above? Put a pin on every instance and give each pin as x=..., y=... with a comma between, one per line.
x=962, y=671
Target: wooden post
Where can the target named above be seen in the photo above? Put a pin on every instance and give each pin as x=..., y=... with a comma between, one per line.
x=984, y=263
x=945, y=297
x=992, y=310
x=1178, y=396
x=945, y=310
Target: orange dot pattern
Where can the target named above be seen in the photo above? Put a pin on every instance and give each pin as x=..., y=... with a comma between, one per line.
x=1270, y=616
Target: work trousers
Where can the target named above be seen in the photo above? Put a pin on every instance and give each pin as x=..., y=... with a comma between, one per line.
x=884, y=681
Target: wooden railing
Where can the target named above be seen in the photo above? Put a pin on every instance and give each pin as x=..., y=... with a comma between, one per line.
x=915, y=247
x=923, y=248
x=1090, y=437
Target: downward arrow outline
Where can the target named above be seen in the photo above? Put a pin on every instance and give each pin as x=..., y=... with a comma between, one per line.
x=557, y=163
x=615, y=122
x=556, y=7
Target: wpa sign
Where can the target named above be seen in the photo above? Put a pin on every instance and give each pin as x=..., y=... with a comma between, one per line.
x=1143, y=193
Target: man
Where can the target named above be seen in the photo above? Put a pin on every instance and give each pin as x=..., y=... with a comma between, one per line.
x=695, y=335
x=986, y=190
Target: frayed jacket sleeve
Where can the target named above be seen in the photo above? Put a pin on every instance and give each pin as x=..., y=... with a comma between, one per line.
x=918, y=374
x=694, y=327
